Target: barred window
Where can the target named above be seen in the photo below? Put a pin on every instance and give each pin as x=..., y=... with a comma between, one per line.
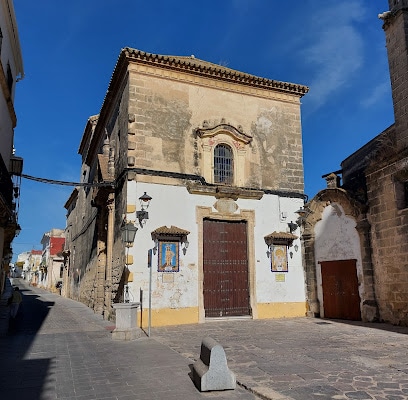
x=223, y=164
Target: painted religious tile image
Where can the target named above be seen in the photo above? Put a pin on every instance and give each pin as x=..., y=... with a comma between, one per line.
x=279, y=259
x=168, y=257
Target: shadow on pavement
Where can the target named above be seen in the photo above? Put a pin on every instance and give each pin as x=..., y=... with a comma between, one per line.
x=15, y=368
x=374, y=325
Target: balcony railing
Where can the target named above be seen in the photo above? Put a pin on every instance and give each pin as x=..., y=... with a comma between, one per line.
x=6, y=184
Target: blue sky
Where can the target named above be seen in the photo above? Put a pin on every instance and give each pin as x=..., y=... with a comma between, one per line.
x=70, y=49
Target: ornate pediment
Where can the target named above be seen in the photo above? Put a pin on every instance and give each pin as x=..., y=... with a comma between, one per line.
x=236, y=133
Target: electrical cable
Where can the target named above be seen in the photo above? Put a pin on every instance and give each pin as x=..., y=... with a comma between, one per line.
x=65, y=183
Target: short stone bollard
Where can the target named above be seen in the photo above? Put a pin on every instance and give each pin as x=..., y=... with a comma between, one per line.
x=211, y=371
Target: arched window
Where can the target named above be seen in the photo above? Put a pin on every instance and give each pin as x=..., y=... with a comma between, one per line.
x=223, y=164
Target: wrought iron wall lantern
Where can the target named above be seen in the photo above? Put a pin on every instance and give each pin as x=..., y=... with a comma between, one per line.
x=185, y=243
x=143, y=215
x=128, y=232
x=16, y=165
x=292, y=226
x=303, y=213
x=156, y=246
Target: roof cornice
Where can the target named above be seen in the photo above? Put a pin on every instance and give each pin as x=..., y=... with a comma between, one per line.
x=87, y=134
x=196, y=66
x=190, y=65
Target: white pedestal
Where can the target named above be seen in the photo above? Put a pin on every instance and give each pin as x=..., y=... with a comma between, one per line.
x=126, y=321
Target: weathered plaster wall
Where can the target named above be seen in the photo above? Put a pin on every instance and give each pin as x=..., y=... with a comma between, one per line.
x=167, y=111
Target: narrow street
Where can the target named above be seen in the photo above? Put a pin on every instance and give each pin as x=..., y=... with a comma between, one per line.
x=59, y=349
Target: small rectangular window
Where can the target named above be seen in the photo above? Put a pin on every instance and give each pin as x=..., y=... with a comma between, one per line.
x=9, y=78
x=401, y=194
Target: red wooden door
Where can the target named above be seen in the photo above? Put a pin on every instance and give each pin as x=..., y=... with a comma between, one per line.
x=340, y=290
x=225, y=266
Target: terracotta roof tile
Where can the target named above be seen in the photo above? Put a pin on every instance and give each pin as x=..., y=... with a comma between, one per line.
x=56, y=245
x=173, y=230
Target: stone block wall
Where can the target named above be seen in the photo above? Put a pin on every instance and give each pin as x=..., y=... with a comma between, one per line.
x=389, y=229
x=396, y=29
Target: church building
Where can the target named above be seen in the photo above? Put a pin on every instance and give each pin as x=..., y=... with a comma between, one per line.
x=205, y=163
x=356, y=234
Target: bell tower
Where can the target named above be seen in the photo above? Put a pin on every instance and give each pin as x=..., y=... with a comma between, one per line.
x=396, y=35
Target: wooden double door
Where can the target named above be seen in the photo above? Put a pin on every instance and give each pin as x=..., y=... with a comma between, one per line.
x=340, y=290
x=225, y=267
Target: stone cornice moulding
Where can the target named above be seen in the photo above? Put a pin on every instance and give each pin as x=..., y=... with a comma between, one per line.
x=199, y=67
x=206, y=81
x=229, y=192
x=235, y=133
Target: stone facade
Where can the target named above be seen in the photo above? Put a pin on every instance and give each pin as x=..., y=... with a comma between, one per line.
x=160, y=127
x=375, y=193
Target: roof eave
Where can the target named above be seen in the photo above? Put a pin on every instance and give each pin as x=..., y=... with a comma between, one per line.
x=196, y=66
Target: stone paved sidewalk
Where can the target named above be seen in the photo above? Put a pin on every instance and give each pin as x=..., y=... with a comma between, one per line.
x=59, y=349
x=304, y=358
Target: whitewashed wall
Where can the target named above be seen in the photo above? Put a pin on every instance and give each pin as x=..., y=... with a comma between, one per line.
x=173, y=205
x=336, y=238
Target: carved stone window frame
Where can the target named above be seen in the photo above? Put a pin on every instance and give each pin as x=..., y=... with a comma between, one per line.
x=231, y=136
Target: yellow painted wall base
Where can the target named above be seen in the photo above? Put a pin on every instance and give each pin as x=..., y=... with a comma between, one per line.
x=169, y=316
x=281, y=310
x=182, y=316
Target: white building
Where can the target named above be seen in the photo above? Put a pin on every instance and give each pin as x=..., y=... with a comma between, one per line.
x=52, y=260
